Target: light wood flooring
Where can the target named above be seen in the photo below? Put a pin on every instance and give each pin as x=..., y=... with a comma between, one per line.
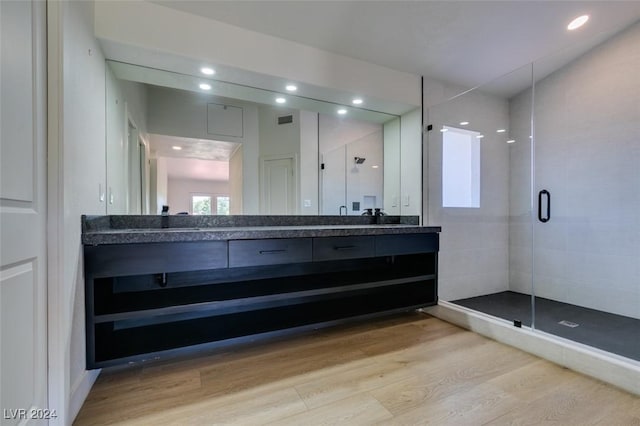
x=409, y=369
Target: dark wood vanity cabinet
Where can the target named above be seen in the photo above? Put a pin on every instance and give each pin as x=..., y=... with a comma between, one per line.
x=158, y=299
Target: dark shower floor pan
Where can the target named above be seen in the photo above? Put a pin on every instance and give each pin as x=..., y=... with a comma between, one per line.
x=613, y=333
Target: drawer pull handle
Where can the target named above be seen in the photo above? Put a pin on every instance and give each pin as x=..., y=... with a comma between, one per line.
x=272, y=251
x=344, y=247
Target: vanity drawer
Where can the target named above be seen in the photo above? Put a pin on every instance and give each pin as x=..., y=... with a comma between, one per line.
x=336, y=248
x=269, y=251
x=135, y=259
x=389, y=245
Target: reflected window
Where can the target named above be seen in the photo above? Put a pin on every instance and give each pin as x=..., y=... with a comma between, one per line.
x=460, y=167
x=202, y=204
x=222, y=205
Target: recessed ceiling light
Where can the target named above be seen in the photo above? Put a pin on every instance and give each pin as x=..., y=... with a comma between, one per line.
x=511, y=141
x=176, y=148
x=291, y=87
x=464, y=123
x=281, y=100
x=374, y=167
x=500, y=131
x=342, y=111
x=444, y=129
x=480, y=136
x=578, y=22
x=207, y=71
x=205, y=86
x=357, y=101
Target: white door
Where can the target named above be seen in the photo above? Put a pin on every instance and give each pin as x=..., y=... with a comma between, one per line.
x=23, y=339
x=278, y=186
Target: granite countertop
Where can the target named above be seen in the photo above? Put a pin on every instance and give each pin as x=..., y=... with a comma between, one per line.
x=100, y=232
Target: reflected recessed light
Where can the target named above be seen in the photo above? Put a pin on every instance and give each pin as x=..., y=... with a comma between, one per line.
x=500, y=131
x=207, y=71
x=578, y=22
x=291, y=87
x=444, y=129
x=464, y=123
x=357, y=101
x=281, y=100
x=342, y=111
x=480, y=136
x=176, y=147
x=511, y=141
x=205, y=86
x=374, y=167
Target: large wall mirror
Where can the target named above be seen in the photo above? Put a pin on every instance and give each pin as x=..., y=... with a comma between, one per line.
x=203, y=146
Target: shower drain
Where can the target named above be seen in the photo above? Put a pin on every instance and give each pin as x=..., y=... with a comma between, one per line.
x=568, y=323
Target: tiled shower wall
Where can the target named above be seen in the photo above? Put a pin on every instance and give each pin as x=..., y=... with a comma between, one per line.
x=474, y=242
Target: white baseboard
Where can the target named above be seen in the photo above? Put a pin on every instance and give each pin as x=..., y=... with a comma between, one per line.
x=610, y=368
x=80, y=390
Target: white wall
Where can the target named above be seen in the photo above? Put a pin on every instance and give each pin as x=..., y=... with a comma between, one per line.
x=410, y=163
x=278, y=139
x=145, y=24
x=309, y=188
x=77, y=170
x=180, y=190
x=135, y=97
x=587, y=154
x=161, y=190
x=391, y=136
x=474, y=242
x=235, y=182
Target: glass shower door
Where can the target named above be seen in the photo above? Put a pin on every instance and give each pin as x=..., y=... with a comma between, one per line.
x=587, y=195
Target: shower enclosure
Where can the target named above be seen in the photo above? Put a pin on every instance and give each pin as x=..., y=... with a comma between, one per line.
x=535, y=180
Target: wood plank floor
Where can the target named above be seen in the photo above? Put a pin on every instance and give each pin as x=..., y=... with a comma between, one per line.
x=408, y=369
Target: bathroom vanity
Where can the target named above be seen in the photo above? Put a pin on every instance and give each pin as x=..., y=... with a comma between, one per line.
x=204, y=282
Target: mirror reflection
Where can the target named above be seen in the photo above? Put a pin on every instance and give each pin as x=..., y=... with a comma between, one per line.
x=203, y=146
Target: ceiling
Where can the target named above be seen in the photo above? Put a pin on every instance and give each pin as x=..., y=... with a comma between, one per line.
x=463, y=42
x=198, y=159
x=195, y=169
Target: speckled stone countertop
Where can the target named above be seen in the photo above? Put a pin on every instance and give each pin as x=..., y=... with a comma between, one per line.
x=99, y=230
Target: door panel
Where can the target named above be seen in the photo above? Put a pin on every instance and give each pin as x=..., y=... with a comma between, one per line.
x=16, y=181
x=17, y=304
x=23, y=345
x=278, y=186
